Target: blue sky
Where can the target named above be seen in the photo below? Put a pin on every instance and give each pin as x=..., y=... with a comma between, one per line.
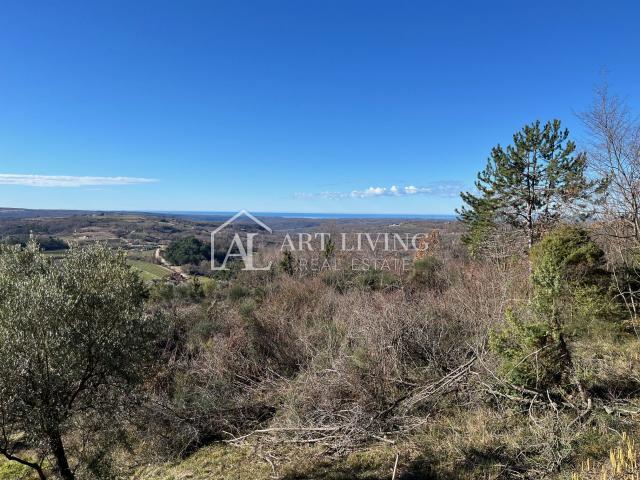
x=298, y=106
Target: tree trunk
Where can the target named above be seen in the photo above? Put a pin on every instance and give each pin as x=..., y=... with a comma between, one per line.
x=530, y=236
x=57, y=449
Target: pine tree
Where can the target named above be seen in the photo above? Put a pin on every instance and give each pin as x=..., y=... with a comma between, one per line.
x=530, y=185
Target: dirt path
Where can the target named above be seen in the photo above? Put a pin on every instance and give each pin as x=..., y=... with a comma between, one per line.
x=165, y=263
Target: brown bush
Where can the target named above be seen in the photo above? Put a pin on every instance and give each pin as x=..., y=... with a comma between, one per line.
x=296, y=356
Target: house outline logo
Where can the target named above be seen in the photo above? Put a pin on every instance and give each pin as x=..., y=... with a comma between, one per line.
x=245, y=253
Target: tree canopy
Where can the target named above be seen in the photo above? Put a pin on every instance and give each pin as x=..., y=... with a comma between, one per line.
x=529, y=185
x=74, y=341
x=188, y=250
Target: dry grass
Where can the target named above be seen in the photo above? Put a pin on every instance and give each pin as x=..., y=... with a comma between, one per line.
x=622, y=464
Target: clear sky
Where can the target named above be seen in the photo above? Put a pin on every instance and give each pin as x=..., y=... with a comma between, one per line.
x=298, y=106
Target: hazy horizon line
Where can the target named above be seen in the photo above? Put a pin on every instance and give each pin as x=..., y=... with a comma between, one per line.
x=256, y=212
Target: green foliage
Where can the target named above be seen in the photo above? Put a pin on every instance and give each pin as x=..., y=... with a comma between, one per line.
x=52, y=243
x=14, y=470
x=188, y=250
x=568, y=270
x=287, y=262
x=569, y=294
x=479, y=218
x=247, y=307
x=74, y=341
x=238, y=292
x=374, y=279
x=528, y=185
x=341, y=280
x=197, y=290
x=329, y=248
x=531, y=352
x=46, y=243
x=427, y=272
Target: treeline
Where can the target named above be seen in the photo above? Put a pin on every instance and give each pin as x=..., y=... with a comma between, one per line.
x=188, y=250
x=195, y=255
x=47, y=243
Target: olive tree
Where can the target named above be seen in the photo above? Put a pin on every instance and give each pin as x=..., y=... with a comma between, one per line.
x=75, y=342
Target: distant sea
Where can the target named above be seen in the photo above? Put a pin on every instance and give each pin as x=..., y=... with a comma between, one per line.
x=320, y=216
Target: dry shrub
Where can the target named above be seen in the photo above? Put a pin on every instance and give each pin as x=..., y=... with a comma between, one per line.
x=299, y=357
x=365, y=351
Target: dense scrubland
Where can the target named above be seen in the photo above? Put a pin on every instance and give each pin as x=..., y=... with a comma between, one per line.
x=510, y=350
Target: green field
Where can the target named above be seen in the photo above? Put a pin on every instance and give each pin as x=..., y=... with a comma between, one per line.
x=149, y=271
x=144, y=255
x=56, y=253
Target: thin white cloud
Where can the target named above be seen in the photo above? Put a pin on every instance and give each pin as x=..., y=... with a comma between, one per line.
x=68, y=180
x=439, y=189
x=370, y=192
